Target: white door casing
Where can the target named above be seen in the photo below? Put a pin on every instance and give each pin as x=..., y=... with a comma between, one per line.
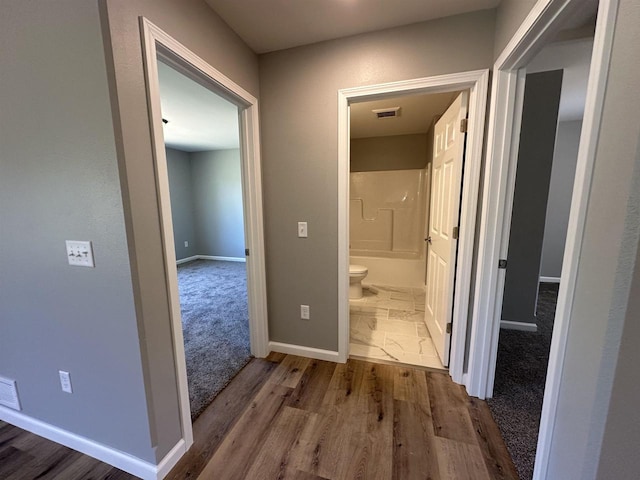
x=446, y=184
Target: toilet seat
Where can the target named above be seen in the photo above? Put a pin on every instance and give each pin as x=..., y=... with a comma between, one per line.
x=357, y=269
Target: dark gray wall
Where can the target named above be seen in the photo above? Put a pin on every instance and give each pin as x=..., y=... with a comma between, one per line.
x=299, y=129
x=563, y=174
x=394, y=152
x=217, y=199
x=59, y=181
x=182, y=206
x=533, y=174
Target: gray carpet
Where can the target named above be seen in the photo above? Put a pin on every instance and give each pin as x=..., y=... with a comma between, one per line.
x=521, y=371
x=215, y=324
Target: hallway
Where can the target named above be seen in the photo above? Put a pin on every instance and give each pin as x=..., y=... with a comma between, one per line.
x=297, y=418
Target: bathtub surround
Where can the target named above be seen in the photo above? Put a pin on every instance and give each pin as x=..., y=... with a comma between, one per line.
x=388, y=324
x=387, y=213
x=215, y=319
x=206, y=203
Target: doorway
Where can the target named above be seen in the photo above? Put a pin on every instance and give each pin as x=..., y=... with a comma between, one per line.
x=405, y=176
x=160, y=46
x=545, y=20
x=201, y=136
x=476, y=84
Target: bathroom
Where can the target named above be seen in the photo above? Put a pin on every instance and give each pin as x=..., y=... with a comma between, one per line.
x=391, y=148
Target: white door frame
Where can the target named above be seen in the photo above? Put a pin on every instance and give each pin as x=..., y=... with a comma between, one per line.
x=477, y=83
x=545, y=19
x=158, y=43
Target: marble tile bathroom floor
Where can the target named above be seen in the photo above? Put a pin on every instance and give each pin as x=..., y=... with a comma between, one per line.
x=387, y=324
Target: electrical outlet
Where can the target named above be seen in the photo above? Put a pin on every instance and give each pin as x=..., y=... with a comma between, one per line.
x=65, y=381
x=80, y=253
x=302, y=230
x=186, y=243
x=304, y=312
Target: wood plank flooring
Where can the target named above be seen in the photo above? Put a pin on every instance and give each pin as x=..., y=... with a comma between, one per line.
x=293, y=418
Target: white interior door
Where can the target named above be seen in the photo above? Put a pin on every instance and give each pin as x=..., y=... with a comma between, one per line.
x=446, y=183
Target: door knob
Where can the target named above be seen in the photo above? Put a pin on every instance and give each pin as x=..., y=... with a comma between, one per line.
x=428, y=239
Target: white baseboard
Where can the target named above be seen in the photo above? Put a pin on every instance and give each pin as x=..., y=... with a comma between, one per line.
x=522, y=326
x=133, y=465
x=224, y=259
x=188, y=259
x=301, y=351
x=170, y=459
x=549, y=279
x=210, y=257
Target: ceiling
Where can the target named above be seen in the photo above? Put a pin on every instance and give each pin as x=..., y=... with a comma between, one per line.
x=199, y=120
x=417, y=113
x=269, y=25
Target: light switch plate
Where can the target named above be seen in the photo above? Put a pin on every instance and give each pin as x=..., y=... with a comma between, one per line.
x=305, y=314
x=80, y=253
x=302, y=229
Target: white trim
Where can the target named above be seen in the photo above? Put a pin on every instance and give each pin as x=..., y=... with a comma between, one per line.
x=477, y=82
x=171, y=459
x=187, y=259
x=133, y=465
x=549, y=279
x=211, y=257
x=544, y=20
x=521, y=326
x=222, y=259
x=302, y=351
x=157, y=43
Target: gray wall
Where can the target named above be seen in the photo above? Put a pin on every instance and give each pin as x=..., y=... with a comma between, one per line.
x=59, y=181
x=510, y=14
x=533, y=175
x=394, y=152
x=299, y=145
x=619, y=458
x=563, y=174
x=217, y=200
x=605, y=272
x=182, y=206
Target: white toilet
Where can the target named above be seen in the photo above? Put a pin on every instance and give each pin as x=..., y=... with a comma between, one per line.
x=357, y=273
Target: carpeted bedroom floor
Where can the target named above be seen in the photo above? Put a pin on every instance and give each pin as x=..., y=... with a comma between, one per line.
x=519, y=386
x=215, y=324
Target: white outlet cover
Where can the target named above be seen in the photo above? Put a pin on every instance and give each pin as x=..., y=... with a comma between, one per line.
x=80, y=253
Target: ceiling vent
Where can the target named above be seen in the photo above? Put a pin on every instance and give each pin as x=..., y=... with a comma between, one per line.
x=389, y=112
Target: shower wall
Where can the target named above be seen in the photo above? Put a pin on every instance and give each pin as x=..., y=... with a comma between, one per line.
x=387, y=213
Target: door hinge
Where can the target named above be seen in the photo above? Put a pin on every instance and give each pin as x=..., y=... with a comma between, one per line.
x=456, y=232
x=502, y=263
x=246, y=252
x=449, y=327
x=463, y=125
